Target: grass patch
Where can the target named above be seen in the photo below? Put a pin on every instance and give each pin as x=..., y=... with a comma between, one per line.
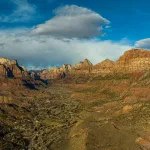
x=52, y=123
x=114, y=77
x=109, y=93
x=79, y=122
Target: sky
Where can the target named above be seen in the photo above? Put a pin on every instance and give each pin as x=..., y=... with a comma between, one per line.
x=48, y=33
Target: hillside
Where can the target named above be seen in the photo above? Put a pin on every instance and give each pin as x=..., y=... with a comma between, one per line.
x=83, y=107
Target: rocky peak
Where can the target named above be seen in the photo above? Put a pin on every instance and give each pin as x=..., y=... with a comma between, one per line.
x=4, y=61
x=83, y=64
x=55, y=73
x=83, y=67
x=104, y=67
x=67, y=67
x=87, y=62
x=105, y=63
x=134, y=60
x=14, y=62
x=135, y=53
x=10, y=68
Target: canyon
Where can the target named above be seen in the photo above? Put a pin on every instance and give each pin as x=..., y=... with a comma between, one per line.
x=81, y=107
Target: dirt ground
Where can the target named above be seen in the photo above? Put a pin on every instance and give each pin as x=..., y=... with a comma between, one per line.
x=75, y=117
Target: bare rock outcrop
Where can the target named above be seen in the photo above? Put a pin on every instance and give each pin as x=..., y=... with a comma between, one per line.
x=84, y=67
x=56, y=73
x=105, y=67
x=4, y=61
x=134, y=60
x=10, y=68
x=3, y=71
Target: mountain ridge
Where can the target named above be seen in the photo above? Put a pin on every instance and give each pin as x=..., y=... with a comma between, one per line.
x=134, y=60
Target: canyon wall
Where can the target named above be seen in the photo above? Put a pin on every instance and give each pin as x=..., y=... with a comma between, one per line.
x=134, y=60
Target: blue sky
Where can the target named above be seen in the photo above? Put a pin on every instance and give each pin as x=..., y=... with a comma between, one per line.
x=42, y=33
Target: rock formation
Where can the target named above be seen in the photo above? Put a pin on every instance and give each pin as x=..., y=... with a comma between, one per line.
x=105, y=67
x=4, y=61
x=134, y=60
x=10, y=68
x=35, y=75
x=3, y=71
x=84, y=67
x=56, y=73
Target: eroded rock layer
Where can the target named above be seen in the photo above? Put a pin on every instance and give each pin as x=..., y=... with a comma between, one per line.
x=134, y=60
x=10, y=68
x=104, y=67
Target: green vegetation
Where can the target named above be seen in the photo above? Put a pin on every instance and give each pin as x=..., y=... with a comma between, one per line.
x=48, y=122
x=110, y=93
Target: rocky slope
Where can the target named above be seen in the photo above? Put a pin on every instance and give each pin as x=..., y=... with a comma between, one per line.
x=55, y=73
x=80, y=68
x=134, y=60
x=105, y=67
x=108, y=111
x=13, y=75
x=10, y=68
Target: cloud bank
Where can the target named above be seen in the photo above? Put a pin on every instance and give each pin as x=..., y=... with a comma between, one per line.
x=72, y=22
x=144, y=43
x=69, y=38
x=40, y=51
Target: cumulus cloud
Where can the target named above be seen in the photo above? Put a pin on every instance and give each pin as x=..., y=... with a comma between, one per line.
x=23, y=12
x=40, y=51
x=72, y=22
x=144, y=43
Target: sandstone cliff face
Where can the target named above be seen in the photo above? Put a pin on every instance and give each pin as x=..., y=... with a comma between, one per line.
x=4, y=61
x=35, y=75
x=134, y=60
x=3, y=71
x=10, y=68
x=84, y=67
x=105, y=67
x=56, y=73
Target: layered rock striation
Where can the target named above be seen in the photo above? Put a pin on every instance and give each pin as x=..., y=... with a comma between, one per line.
x=10, y=68
x=55, y=73
x=134, y=60
x=83, y=67
x=105, y=67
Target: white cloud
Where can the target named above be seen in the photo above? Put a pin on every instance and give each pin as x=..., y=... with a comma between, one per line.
x=41, y=51
x=144, y=43
x=72, y=22
x=23, y=12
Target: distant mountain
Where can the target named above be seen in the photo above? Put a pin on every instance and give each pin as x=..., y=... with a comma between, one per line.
x=134, y=60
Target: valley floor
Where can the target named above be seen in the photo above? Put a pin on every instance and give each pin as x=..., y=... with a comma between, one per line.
x=73, y=117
